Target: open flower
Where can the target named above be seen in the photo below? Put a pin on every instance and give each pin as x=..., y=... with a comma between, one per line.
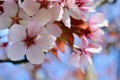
x=80, y=61
x=12, y=15
x=31, y=41
x=43, y=11
x=70, y=9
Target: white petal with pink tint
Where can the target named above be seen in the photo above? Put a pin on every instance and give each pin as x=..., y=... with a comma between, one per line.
x=31, y=7
x=17, y=33
x=33, y=28
x=66, y=18
x=43, y=16
x=99, y=20
x=24, y=17
x=96, y=49
x=46, y=41
x=75, y=12
x=5, y=21
x=35, y=55
x=97, y=35
x=74, y=59
x=85, y=61
x=10, y=7
x=103, y=24
x=54, y=29
x=57, y=11
x=84, y=42
x=16, y=51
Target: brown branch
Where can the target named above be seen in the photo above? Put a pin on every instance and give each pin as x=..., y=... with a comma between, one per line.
x=15, y=62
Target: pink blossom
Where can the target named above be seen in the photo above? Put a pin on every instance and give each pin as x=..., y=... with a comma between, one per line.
x=12, y=14
x=30, y=41
x=43, y=14
x=95, y=22
x=80, y=61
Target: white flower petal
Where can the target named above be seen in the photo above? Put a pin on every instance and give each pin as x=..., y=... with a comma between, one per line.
x=104, y=23
x=46, y=41
x=33, y=29
x=84, y=42
x=75, y=12
x=99, y=20
x=85, y=60
x=16, y=51
x=97, y=35
x=74, y=60
x=66, y=18
x=10, y=8
x=57, y=11
x=35, y=55
x=54, y=29
x=23, y=16
x=96, y=49
x=5, y=21
x=17, y=33
x=43, y=16
x=31, y=7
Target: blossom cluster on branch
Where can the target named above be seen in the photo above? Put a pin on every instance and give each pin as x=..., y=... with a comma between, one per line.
x=40, y=26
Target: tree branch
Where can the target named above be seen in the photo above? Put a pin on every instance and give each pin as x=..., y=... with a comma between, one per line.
x=15, y=62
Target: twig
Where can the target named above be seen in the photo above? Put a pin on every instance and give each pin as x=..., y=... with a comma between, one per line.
x=15, y=62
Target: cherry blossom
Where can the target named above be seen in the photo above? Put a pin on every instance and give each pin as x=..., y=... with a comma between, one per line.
x=43, y=13
x=40, y=26
x=12, y=15
x=75, y=9
x=28, y=41
x=80, y=60
x=95, y=22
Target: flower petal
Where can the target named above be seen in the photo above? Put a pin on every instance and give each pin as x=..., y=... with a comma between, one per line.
x=24, y=17
x=95, y=49
x=74, y=59
x=43, y=16
x=33, y=28
x=31, y=7
x=66, y=18
x=17, y=33
x=16, y=51
x=54, y=29
x=5, y=21
x=99, y=20
x=97, y=35
x=10, y=7
x=84, y=42
x=46, y=41
x=35, y=55
x=75, y=12
x=57, y=11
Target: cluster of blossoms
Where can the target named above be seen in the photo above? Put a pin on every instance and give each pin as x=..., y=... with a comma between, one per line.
x=39, y=26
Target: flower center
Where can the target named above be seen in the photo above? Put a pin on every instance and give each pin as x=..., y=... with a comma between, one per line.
x=29, y=41
x=43, y=3
x=79, y=3
x=16, y=19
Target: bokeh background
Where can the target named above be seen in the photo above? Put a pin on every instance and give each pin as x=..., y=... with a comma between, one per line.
x=106, y=65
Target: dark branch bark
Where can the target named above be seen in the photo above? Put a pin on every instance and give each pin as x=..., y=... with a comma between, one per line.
x=15, y=62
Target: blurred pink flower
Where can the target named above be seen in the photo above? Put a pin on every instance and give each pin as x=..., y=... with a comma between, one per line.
x=95, y=23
